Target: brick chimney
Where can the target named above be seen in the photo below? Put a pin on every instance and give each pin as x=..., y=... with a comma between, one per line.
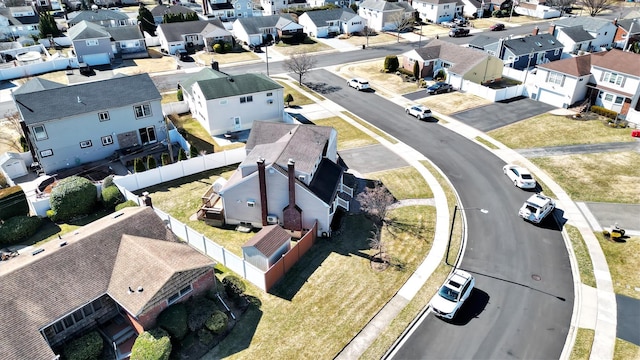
x=535, y=30
x=552, y=28
x=292, y=213
x=263, y=191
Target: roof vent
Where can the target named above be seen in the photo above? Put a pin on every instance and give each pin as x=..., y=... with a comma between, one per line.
x=140, y=289
x=64, y=243
x=36, y=252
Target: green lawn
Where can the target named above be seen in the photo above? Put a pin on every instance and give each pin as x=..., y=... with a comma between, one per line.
x=554, y=130
x=623, y=258
x=404, y=183
x=299, y=98
x=582, y=347
x=582, y=256
x=370, y=127
x=349, y=136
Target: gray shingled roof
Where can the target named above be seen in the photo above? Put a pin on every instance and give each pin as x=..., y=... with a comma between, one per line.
x=255, y=24
x=160, y=10
x=175, y=31
x=234, y=85
x=321, y=17
x=38, y=290
x=589, y=23
x=575, y=66
x=576, y=33
x=382, y=5
x=325, y=179
x=626, y=25
x=37, y=84
x=87, y=30
x=269, y=239
x=462, y=58
x=481, y=41
x=122, y=33
x=61, y=102
x=22, y=20
x=540, y=42
x=97, y=16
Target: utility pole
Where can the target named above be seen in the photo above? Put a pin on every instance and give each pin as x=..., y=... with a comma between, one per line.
x=629, y=34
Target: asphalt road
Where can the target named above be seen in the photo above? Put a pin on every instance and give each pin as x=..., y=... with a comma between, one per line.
x=512, y=314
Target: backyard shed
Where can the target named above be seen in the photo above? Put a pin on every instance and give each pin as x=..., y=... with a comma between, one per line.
x=13, y=165
x=267, y=247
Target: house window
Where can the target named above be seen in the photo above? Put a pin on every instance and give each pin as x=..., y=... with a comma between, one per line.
x=103, y=116
x=555, y=78
x=87, y=310
x=445, y=7
x=46, y=153
x=148, y=135
x=246, y=99
x=143, y=110
x=107, y=140
x=251, y=203
x=68, y=321
x=77, y=315
x=556, y=51
x=85, y=144
x=608, y=97
x=223, y=102
x=619, y=100
x=269, y=94
x=97, y=304
x=91, y=42
x=40, y=132
x=613, y=78
x=177, y=296
x=58, y=327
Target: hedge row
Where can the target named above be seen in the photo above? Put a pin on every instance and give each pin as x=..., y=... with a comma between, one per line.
x=154, y=344
x=604, y=112
x=17, y=228
x=71, y=197
x=88, y=347
x=13, y=202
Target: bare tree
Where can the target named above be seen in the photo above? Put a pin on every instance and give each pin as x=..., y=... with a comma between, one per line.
x=375, y=202
x=375, y=241
x=300, y=64
x=595, y=7
x=401, y=22
x=10, y=135
x=561, y=5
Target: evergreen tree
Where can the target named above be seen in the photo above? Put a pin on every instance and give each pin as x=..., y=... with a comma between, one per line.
x=182, y=155
x=164, y=158
x=193, y=152
x=288, y=98
x=151, y=162
x=416, y=70
x=138, y=165
x=145, y=19
x=48, y=26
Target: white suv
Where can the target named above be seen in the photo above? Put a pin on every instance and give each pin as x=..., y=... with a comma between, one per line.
x=452, y=294
x=419, y=111
x=536, y=208
x=358, y=83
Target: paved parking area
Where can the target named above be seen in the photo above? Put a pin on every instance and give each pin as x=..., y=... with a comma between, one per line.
x=369, y=159
x=496, y=115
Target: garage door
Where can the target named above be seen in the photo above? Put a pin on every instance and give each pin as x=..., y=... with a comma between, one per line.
x=96, y=59
x=551, y=98
x=15, y=168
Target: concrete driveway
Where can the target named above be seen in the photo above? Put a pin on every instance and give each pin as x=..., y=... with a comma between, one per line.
x=496, y=115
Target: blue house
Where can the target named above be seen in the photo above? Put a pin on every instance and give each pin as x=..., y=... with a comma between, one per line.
x=521, y=53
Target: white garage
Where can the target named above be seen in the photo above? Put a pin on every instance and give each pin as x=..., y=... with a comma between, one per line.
x=13, y=165
x=551, y=98
x=96, y=59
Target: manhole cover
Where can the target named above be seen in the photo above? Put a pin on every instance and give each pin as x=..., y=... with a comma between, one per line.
x=536, y=277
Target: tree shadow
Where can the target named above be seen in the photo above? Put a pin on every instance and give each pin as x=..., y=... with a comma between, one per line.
x=322, y=88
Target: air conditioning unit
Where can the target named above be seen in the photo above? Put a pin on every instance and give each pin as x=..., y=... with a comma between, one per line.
x=301, y=177
x=325, y=234
x=270, y=101
x=272, y=219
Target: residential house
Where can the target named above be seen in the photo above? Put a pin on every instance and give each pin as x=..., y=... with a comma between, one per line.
x=574, y=38
x=476, y=8
x=102, y=17
x=437, y=11
x=267, y=246
x=331, y=22
x=627, y=33
x=127, y=265
x=127, y=42
x=46, y=5
x=537, y=9
x=616, y=82
x=226, y=103
x=459, y=63
x=19, y=21
x=602, y=30
x=521, y=53
x=336, y=3
x=228, y=10
x=290, y=177
x=384, y=15
x=91, y=43
x=190, y=35
x=274, y=7
x=67, y=126
x=160, y=11
x=562, y=83
x=256, y=30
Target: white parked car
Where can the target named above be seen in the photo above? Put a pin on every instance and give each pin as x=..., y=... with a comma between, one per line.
x=521, y=177
x=419, y=111
x=455, y=290
x=536, y=208
x=358, y=83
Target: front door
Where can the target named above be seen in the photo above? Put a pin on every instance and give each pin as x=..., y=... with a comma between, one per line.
x=237, y=126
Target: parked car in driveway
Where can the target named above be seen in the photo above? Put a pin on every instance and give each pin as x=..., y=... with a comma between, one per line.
x=449, y=24
x=419, y=111
x=358, y=83
x=536, y=208
x=458, y=32
x=455, y=290
x=496, y=27
x=439, y=88
x=521, y=177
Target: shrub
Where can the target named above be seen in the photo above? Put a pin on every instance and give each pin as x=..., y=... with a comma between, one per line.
x=604, y=112
x=164, y=159
x=71, y=197
x=13, y=202
x=200, y=310
x=3, y=180
x=441, y=75
x=154, y=344
x=227, y=47
x=179, y=95
x=174, y=320
x=151, y=162
x=205, y=337
x=24, y=144
x=17, y=228
x=138, y=165
x=391, y=63
x=193, y=151
x=182, y=155
x=288, y=99
x=108, y=181
x=416, y=70
x=88, y=347
x=218, y=49
x=233, y=286
x=126, y=204
x=111, y=196
x=218, y=322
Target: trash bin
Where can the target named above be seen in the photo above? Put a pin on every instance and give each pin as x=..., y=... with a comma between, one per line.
x=363, y=45
x=635, y=133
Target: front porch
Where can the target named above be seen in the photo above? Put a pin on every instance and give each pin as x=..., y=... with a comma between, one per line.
x=120, y=335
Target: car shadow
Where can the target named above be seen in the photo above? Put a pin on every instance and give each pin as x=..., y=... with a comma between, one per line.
x=471, y=309
x=431, y=119
x=554, y=221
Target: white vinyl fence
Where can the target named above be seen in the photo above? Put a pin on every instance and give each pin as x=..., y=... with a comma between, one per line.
x=493, y=95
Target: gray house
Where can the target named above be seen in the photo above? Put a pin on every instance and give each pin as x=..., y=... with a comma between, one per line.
x=67, y=126
x=91, y=43
x=331, y=22
x=521, y=53
x=102, y=17
x=190, y=35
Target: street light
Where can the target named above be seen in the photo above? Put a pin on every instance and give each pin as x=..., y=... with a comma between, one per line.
x=453, y=220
